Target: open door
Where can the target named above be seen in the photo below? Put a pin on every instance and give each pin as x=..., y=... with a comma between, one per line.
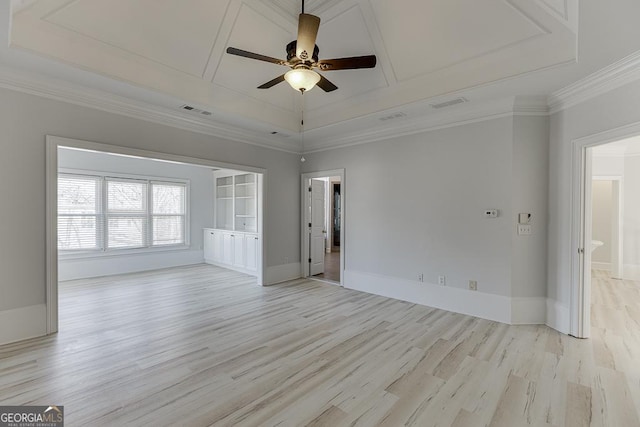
x=317, y=231
x=582, y=328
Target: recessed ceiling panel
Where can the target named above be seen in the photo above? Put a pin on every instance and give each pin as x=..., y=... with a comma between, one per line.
x=255, y=33
x=176, y=33
x=560, y=6
x=444, y=33
x=344, y=36
x=292, y=8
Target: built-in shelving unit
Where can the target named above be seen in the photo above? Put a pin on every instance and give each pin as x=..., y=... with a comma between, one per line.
x=234, y=241
x=236, y=202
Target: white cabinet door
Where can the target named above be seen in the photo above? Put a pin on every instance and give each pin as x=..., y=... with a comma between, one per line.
x=218, y=246
x=227, y=248
x=251, y=253
x=238, y=250
x=208, y=245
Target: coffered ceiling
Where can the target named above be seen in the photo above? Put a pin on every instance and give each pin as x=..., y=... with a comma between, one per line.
x=426, y=50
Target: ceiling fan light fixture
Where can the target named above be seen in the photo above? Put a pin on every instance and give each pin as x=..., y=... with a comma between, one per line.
x=302, y=79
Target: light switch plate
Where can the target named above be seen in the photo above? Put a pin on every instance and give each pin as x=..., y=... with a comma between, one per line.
x=524, y=229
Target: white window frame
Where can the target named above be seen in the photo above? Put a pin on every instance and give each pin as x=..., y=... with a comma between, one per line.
x=99, y=215
x=151, y=214
x=105, y=251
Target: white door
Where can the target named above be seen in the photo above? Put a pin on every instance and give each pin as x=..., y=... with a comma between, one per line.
x=318, y=231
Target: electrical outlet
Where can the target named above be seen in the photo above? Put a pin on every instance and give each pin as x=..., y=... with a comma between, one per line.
x=442, y=281
x=473, y=285
x=420, y=277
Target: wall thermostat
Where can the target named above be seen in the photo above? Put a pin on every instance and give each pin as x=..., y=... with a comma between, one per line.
x=491, y=213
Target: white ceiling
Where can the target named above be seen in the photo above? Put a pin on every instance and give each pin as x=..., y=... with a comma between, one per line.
x=172, y=52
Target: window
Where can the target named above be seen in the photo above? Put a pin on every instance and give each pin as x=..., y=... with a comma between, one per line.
x=168, y=213
x=79, y=219
x=111, y=213
x=127, y=214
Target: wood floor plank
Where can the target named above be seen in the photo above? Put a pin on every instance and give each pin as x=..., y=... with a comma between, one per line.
x=200, y=346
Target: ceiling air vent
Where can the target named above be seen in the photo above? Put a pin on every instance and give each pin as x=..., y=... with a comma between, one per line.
x=195, y=110
x=392, y=117
x=450, y=103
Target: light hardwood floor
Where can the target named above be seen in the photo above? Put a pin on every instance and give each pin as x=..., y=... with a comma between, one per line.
x=331, y=267
x=201, y=345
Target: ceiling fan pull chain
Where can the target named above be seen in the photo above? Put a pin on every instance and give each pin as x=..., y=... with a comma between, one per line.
x=302, y=159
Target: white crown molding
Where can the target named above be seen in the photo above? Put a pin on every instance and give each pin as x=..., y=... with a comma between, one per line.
x=618, y=74
x=91, y=98
x=466, y=114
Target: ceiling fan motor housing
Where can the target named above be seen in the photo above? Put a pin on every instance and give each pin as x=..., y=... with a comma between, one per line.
x=291, y=53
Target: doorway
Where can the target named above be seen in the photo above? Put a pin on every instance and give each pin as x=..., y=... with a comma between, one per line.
x=154, y=196
x=322, y=243
x=604, y=231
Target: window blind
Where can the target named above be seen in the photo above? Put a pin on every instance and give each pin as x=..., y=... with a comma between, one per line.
x=109, y=213
x=127, y=217
x=168, y=213
x=79, y=219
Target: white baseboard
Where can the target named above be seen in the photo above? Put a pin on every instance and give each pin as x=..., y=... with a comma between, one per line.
x=558, y=316
x=82, y=268
x=631, y=272
x=528, y=311
x=23, y=323
x=601, y=266
x=282, y=273
x=473, y=303
x=231, y=267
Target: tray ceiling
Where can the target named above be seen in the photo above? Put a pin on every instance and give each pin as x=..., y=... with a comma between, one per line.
x=425, y=48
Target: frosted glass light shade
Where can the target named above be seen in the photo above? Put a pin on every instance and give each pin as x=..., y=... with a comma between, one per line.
x=302, y=79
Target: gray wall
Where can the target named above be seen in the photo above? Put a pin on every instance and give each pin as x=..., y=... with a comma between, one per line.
x=611, y=110
x=601, y=220
x=24, y=122
x=529, y=191
x=631, y=219
x=415, y=204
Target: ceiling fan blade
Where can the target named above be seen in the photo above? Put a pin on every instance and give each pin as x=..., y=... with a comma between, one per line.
x=326, y=85
x=272, y=83
x=352, y=63
x=251, y=55
x=307, y=32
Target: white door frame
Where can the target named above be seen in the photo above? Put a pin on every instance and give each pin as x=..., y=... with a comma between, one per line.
x=579, y=304
x=305, y=206
x=51, y=171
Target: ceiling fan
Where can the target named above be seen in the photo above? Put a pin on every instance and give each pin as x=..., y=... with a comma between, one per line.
x=302, y=58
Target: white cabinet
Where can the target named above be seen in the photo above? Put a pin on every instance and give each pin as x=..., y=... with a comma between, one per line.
x=251, y=252
x=209, y=245
x=232, y=249
x=218, y=245
x=227, y=248
x=238, y=250
x=234, y=243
